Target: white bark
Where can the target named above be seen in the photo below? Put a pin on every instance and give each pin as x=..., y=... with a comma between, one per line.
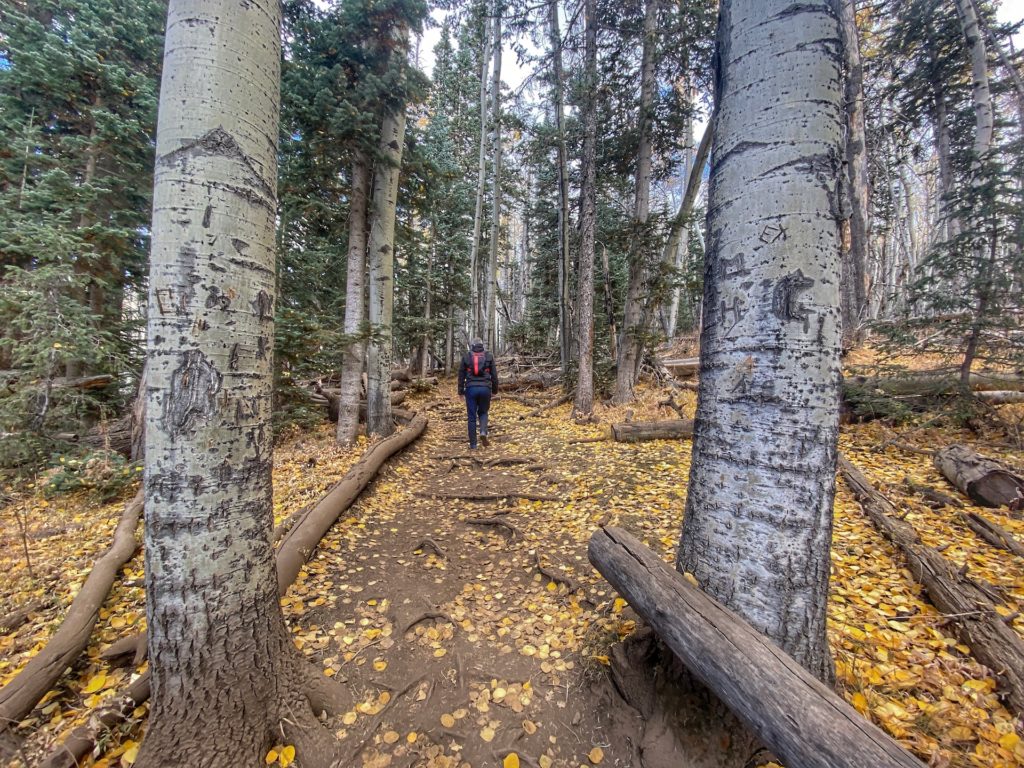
x=759, y=509
x=381, y=257
x=981, y=94
x=489, y=330
x=354, y=355
x=475, y=313
x=211, y=591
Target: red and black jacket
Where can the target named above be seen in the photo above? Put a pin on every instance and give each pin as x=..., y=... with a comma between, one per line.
x=478, y=370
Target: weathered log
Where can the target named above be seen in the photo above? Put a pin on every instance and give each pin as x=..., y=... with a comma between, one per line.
x=799, y=718
x=19, y=696
x=993, y=533
x=683, y=366
x=983, y=480
x=969, y=609
x=397, y=398
x=553, y=404
x=534, y=380
x=639, y=431
x=290, y=559
x=943, y=382
x=933, y=497
x=17, y=617
x=1000, y=397
x=299, y=543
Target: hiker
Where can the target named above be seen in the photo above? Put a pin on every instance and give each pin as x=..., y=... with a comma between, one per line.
x=478, y=380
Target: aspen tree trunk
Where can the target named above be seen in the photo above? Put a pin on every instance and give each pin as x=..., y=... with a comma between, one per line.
x=354, y=353
x=855, y=247
x=490, y=331
x=381, y=257
x=584, y=403
x=425, y=344
x=475, y=313
x=675, y=253
x=226, y=677
x=758, y=520
x=564, y=260
x=634, y=323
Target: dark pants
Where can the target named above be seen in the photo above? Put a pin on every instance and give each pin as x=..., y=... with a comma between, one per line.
x=478, y=402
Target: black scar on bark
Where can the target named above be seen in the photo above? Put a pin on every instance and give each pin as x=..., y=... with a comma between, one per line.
x=785, y=303
x=219, y=142
x=263, y=305
x=233, y=357
x=193, y=393
x=206, y=216
x=261, y=347
x=217, y=300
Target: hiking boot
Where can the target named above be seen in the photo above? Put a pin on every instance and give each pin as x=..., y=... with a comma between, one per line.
x=484, y=441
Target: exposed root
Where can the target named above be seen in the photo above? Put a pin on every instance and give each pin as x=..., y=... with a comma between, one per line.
x=314, y=744
x=431, y=544
x=488, y=495
x=426, y=616
x=498, y=523
x=508, y=461
x=555, y=576
x=135, y=646
x=350, y=757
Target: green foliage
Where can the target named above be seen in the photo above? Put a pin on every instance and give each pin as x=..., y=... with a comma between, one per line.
x=106, y=474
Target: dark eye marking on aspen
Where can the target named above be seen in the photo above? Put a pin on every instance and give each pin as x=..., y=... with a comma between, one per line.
x=239, y=245
x=233, y=357
x=193, y=394
x=263, y=305
x=206, y=216
x=217, y=300
x=261, y=347
x=786, y=303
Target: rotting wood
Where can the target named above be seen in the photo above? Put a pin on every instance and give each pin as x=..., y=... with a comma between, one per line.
x=939, y=382
x=985, y=481
x=993, y=533
x=19, y=616
x=83, y=738
x=1000, y=397
x=38, y=676
x=799, y=718
x=931, y=495
x=639, y=431
x=965, y=603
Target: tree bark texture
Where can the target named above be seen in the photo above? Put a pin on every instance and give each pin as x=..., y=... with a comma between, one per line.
x=634, y=322
x=983, y=480
x=800, y=719
x=584, y=402
x=564, y=261
x=381, y=256
x=855, y=248
x=211, y=590
x=758, y=518
x=355, y=303
x=20, y=696
x=475, y=311
x=981, y=93
x=490, y=329
x=950, y=589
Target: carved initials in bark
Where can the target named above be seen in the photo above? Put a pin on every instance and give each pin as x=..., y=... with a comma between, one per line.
x=737, y=310
x=193, y=395
x=785, y=303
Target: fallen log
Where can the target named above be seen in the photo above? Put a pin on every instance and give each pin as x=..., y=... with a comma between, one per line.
x=300, y=541
x=83, y=738
x=20, y=696
x=397, y=398
x=639, y=431
x=683, y=366
x=942, y=382
x=993, y=533
x=553, y=404
x=799, y=718
x=1000, y=397
x=982, y=479
x=970, y=611
x=17, y=617
x=527, y=381
x=932, y=497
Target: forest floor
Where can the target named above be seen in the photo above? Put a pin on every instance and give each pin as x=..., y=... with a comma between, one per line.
x=465, y=654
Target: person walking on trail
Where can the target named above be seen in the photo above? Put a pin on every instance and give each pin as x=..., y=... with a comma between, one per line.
x=478, y=380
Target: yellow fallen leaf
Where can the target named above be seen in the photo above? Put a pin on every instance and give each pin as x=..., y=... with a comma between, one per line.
x=860, y=702
x=349, y=718
x=487, y=734
x=530, y=727
x=287, y=756
x=511, y=760
x=447, y=720
x=95, y=683
x=271, y=757
x=545, y=761
x=691, y=579
x=596, y=755
x=129, y=755
x=390, y=737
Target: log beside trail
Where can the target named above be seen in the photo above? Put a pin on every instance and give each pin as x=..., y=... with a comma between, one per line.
x=20, y=696
x=682, y=367
x=993, y=533
x=295, y=549
x=639, y=431
x=799, y=718
x=939, y=382
x=970, y=611
x=985, y=481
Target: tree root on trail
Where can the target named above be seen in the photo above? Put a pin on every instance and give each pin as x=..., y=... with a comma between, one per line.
x=428, y=542
x=426, y=616
x=20, y=696
x=351, y=755
x=488, y=496
x=498, y=523
x=553, y=575
x=323, y=694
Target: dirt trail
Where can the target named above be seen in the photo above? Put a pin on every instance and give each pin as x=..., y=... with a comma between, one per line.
x=460, y=656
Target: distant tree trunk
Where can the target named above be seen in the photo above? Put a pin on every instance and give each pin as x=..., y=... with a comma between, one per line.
x=425, y=346
x=855, y=241
x=381, y=256
x=490, y=331
x=226, y=678
x=634, y=324
x=564, y=258
x=475, y=312
x=354, y=353
x=584, y=403
x=609, y=305
x=675, y=253
x=758, y=522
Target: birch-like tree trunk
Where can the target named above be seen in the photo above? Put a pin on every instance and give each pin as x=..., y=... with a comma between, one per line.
x=583, y=405
x=475, y=312
x=381, y=257
x=226, y=677
x=855, y=242
x=564, y=259
x=634, y=323
x=758, y=518
x=354, y=353
x=425, y=343
x=490, y=331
